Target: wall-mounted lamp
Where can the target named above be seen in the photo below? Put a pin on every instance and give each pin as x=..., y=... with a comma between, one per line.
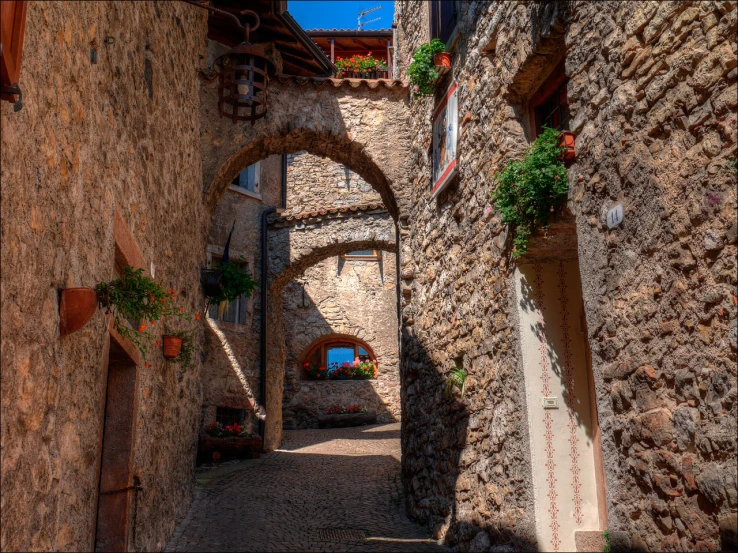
x=244, y=75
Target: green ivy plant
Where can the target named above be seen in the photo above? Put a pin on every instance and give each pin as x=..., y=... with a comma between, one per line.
x=529, y=191
x=422, y=70
x=136, y=301
x=236, y=281
x=456, y=379
x=606, y=547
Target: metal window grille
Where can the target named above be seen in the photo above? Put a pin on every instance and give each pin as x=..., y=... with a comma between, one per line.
x=554, y=111
x=226, y=415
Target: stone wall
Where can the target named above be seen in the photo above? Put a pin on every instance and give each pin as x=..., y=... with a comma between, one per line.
x=653, y=104
x=315, y=182
x=343, y=297
x=334, y=295
x=120, y=135
x=296, y=243
x=231, y=364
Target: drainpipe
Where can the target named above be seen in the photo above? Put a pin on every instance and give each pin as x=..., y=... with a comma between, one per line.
x=264, y=298
x=263, y=322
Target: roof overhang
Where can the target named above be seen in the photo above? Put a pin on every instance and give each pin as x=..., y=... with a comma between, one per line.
x=300, y=55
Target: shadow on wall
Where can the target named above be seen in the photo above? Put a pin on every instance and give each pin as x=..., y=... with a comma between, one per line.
x=232, y=370
x=307, y=323
x=432, y=417
x=557, y=363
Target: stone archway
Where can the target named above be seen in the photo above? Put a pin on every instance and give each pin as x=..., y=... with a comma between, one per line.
x=300, y=241
x=363, y=128
x=316, y=236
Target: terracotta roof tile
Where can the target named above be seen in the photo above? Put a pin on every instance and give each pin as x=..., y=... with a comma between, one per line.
x=289, y=217
x=371, y=84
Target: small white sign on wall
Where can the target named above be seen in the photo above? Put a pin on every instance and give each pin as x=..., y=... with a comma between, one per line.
x=615, y=216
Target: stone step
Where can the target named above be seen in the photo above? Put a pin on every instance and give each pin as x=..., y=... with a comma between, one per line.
x=589, y=540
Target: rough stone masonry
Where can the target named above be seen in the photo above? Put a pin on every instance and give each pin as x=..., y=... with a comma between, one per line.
x=652, y=96
x=136, y=138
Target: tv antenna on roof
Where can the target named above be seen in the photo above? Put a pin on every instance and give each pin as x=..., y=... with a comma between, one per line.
x=365, y=12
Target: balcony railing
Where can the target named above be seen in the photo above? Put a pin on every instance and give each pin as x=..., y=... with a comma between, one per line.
x=383, y=74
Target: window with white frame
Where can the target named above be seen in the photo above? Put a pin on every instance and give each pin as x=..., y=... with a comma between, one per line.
x=249, y=178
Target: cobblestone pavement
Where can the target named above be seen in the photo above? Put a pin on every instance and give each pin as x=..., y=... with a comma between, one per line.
x=337, y=479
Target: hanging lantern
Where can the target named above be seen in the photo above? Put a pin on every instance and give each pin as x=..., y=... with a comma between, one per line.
x=244, y=77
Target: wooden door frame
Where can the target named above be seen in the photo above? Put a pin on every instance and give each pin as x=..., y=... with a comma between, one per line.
x=126, y=252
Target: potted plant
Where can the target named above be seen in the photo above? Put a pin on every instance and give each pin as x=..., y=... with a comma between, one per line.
x=231, y=440
x=566, y=143
x=531, y=190
x=315, y=372
x=136, y=301
x=423, y=70
x=171, y=345
x=229, y=280
x=364, y=370
x=76, y=308
x=359, y=66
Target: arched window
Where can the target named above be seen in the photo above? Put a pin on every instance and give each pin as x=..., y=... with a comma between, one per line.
x=328, y=359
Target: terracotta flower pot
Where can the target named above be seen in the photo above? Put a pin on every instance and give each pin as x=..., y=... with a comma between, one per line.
x=77, y=306
x=171, y=345
x=567, y=142
x=442, y=59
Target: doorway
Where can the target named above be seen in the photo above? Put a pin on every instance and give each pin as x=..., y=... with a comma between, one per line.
x=118, y=485
x=566, y=452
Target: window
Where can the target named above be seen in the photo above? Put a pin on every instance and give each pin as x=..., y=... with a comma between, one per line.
x=334, y=349
x=549, y=105
x=226, y=415
x=12, y=27
x=363, y=255
x=444, y=15
x=249, y=178
x=235, y=311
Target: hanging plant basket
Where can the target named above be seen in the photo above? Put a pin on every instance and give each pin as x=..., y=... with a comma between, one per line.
x=171, y=346
x=76, y=308
x=212, y=282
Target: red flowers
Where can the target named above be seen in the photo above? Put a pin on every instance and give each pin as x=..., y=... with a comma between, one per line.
x=197, y=317
x=147, y=364
x=142, y=327
x=217, y=430
x=360, y=64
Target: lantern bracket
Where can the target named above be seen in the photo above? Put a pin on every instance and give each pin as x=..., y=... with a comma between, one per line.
x=246, y=28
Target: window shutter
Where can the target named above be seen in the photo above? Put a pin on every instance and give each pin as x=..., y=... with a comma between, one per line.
x=12, y=28
x=448, y=18
x=444, y=16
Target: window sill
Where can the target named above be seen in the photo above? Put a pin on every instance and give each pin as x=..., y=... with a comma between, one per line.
x=249, y=193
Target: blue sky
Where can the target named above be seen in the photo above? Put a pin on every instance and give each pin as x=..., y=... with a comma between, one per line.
x=340, y=14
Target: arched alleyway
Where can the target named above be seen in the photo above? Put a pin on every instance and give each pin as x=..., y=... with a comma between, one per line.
x=271, y=504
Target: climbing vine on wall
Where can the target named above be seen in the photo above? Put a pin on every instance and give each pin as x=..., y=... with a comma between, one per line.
x=528, y=192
